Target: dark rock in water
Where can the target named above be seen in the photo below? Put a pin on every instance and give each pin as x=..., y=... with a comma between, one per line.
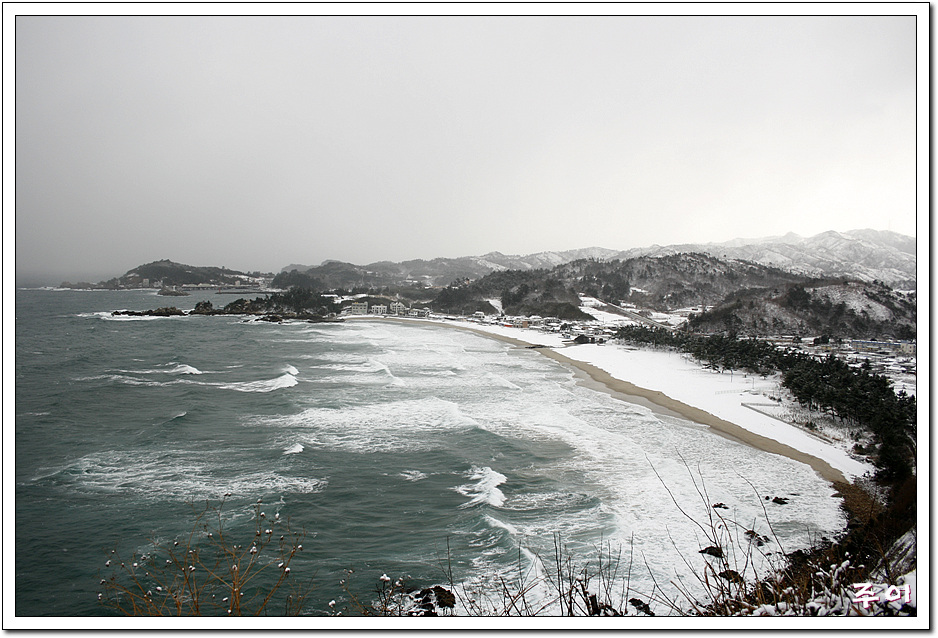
x=427, y=601
x=273, y=318
x=641, y=606
x=169, y=292
x=780, y=500
x=172, y=311
x=203, y=308
x=712, y=551
x=720, y=506
x=753, y=535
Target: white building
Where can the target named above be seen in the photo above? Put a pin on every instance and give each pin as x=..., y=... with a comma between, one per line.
x=397, y=308
x=378, y=309
x=358, y=308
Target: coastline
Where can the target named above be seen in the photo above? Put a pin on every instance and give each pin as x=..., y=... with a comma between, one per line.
x=602, y=380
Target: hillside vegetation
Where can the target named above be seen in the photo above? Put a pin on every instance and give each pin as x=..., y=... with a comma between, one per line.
x=840, y=309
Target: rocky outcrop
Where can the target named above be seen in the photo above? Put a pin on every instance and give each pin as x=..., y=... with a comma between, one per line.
x=171, y=311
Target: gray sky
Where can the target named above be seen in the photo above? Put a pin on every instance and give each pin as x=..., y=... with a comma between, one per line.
x=254, y=142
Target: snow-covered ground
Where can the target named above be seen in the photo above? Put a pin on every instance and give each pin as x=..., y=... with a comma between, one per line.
x=728, y=396
x=599, y=310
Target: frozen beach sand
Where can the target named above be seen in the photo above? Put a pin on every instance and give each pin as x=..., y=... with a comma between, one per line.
x=671, y=381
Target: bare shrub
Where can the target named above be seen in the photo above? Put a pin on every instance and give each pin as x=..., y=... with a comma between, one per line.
x=208, y=572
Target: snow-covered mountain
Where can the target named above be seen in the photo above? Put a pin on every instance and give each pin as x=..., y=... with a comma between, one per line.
x=498, y=261
x=867, y=255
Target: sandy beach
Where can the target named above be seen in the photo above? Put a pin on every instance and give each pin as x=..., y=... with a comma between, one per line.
x=592, y=365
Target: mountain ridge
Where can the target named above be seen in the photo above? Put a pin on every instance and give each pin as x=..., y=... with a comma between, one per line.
x=866, y=254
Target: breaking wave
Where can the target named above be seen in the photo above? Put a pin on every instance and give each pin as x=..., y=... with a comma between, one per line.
x=485, y=489
x=285, y=380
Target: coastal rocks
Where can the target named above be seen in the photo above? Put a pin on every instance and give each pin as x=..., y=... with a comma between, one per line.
x=171, y=311
x=429, y=599
x=235, y=308
x=641, y=606
x=204, y=308
x=716, y=552
x=755, y=537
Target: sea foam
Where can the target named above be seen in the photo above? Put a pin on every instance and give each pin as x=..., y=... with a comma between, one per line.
x=485, y=489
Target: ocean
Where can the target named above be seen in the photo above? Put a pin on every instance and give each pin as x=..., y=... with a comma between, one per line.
x=418, y=451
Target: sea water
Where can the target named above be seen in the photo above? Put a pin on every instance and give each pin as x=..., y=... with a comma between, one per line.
x=414, y=450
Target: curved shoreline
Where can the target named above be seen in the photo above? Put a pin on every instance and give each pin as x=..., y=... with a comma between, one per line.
x=626, y=391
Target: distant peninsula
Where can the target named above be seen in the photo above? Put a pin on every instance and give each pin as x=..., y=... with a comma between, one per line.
x=171, y=277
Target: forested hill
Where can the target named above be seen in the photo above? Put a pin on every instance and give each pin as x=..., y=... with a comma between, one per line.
x=846, y=309
x=658, y=283
x=669, y=282
x=171, y=273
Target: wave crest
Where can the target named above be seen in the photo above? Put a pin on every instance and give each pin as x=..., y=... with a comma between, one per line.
x=485, y=489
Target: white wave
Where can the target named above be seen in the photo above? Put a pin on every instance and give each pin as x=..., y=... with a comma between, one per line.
x=123, y=378
x=179, y=368
x=285, y=380
x=406, y=425
x=380, y=366
x=485, y=489
x=153, y=476
x=294, y=449
x=503, y=382
x=291, y=370
x=549, y=501
x=184, y=369
x=108, y=316
x=412, y=475
x=494, y=522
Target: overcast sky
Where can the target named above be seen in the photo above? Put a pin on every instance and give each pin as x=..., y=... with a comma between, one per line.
x=256, y=142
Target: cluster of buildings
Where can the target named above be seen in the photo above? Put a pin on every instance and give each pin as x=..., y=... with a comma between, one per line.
x=395, y=309
x=592, y=331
